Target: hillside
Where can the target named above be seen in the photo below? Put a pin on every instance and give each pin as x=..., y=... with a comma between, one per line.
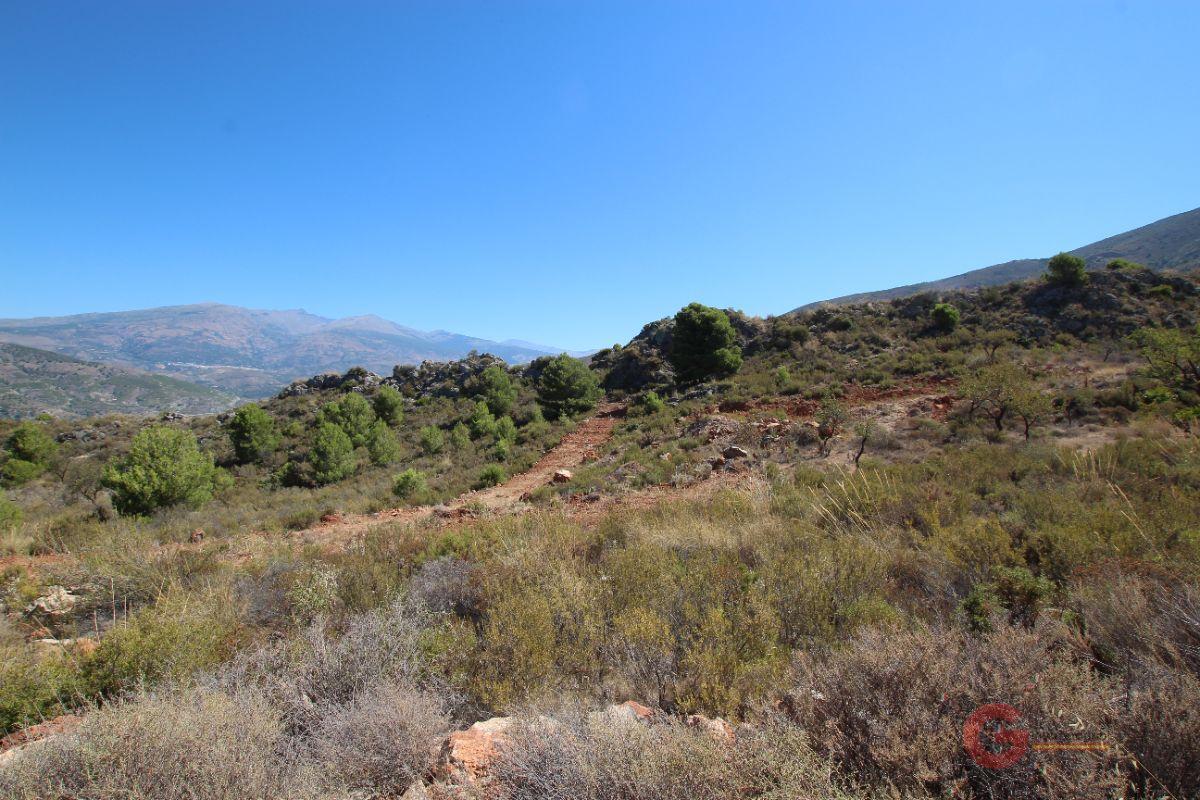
x=35, y=381
x=450, y=571
x=248, y=352
x=1170, y=243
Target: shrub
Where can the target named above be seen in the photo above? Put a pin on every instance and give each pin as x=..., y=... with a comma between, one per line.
x=30, y=450
x=567, y=387
x=944, y=317
x=10, y=513
x=31, y=442
x=332, y=455
x=353, y=414
x=506, y=430
x=176, y=746
x=432, y=439
x=382, y=445
x=460, y=436
x=383, y=739
x=164, y=467
x=1124, y=265
x=492, y=475
x=482, y=423
x=703, y=344
x=1065, y=269
x=252, y=432
x=408, y=483
x=389, y=405
x=1003, y=390
x=496, y=388
x=608, y=756
x=650, y=403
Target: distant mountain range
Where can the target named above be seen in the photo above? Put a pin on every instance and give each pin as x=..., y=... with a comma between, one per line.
x=247, y=352
x=1171, y=243
x=36, y=381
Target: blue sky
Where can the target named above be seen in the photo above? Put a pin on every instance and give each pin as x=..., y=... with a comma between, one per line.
x=566, y=171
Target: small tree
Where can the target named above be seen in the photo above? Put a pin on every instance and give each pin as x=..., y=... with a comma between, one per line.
x=30, y=448
x=704, y=344
x=492, y=475
x=1065, y=269
x=332, y=455
x=408, y=483
x=496, y=388
x=567, y=387
x=382, y=445
x=164, y=467
x=389, y=405
x=1005, y=390
x=252, y=432
x=865, y=431
x=506, y=430
x=482, y=423
x=353, y=414
x=944, y=317
x=460, y=436
x=432, y=439
x=831, y=418
x=1172, y=356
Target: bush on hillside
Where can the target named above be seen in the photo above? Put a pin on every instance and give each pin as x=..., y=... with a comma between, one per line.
x=164, y=467
x=389, y=405
x=482, y=422
x=252, y=432
x=353, y=414
x=332, y=455
x=382, y=444
x=496, y=388
x=567, y=387
x=408, y=483
x=432, y=439
x=703, y=344
x=29, y=448
x=944, y=317
x=492, y=475
x=1065, y=269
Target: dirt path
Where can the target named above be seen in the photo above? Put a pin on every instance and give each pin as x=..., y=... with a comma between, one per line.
x=577, y=447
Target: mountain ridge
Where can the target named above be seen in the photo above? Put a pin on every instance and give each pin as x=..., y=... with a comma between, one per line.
x=244, y=351
x=1169, y=243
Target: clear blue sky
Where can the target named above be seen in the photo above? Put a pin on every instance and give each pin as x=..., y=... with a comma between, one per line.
x=566, y=171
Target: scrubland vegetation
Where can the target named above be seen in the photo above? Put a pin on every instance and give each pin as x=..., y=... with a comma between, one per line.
x=841, y=531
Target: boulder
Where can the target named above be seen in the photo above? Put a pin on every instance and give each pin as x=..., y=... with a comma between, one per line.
x=562, y=476
x=717, y=728
x=733, y=451
x=467, y=755
x=57, y=602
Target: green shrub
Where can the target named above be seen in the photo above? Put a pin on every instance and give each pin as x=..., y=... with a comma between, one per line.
x=17, y=471
x=1065, y=269
x=353, y=414
x=408, y=483
x=164, y=467
x=482, y=423
x=651, y=403
x=567, y=387
x=1162, y=290
x=432, y=439
x=1124, y=264
x=389, y=405
x=252, y=432
x=10, y=513
x=382, y=445
x=30, y=449
x=496, y=389
x=944, y=317
x=703, y=344
x=492, y=475
x=460, y=436
x=506, y=430
x=332, y=455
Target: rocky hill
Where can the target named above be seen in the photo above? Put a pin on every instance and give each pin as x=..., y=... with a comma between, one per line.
x=248, y=352
x=35, y=381
x=1171, y=243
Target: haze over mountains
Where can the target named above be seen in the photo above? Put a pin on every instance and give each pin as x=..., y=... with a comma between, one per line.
x=247, y=352
x=1170, y=243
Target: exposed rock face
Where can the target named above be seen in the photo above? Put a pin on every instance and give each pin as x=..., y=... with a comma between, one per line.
x=442, y=378
x=713, y=428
